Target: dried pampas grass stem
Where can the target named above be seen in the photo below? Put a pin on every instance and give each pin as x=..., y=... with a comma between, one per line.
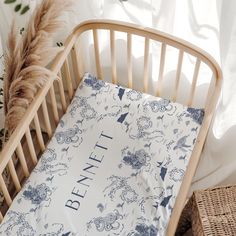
x=27, y=57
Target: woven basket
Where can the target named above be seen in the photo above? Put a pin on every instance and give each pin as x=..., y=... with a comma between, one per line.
x=210, y=212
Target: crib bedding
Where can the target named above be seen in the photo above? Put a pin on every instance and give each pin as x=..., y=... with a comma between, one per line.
x=113, y=167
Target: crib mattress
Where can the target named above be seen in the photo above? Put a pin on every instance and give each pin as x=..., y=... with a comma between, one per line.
x=113, y=167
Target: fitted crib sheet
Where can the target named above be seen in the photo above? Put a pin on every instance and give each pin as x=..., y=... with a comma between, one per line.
x=113, y=167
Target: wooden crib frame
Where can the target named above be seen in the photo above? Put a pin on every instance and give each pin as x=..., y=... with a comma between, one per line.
x=13, y=147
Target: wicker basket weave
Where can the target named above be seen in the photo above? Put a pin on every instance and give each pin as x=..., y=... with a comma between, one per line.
x=210, y=212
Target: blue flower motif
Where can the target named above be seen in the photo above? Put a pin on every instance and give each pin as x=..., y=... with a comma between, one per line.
x=144, y=230
x=17, y=221
x=77, y=102
x=136, y=160
x=161, y=105
x=176, y=174
x=128, y=195
x=37, y=194
x=82, y=101
x=196, y=114
x=108, y=222
x=88, y=113
x=94, y=83
x=68, y=136
x=134, y=95
x=100, y=224
x=144, y=122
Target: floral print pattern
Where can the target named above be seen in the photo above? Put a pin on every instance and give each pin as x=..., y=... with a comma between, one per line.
x=124, y=186
x=94, y=83
x=144, y=230
x=196, y=114
x=69, y=136
x=159, y=106
x=134, y=95
x=136, y=160
x=110, y=222
x=37, y=194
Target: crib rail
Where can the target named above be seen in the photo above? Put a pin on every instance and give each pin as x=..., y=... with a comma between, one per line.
x=52, y=100
x=184, y=48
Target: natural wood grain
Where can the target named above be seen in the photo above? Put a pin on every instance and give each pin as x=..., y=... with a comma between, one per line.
x=146, y=63
x=113, y=57
x=129, y=60
x=21, y=156
x=161, y=70
x=97, y=54
x=39, y=132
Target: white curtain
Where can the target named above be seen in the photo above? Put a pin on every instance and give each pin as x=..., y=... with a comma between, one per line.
x=218, y=165
x=210, y=25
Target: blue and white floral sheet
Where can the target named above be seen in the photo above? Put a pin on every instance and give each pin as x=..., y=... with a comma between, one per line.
x=113, y=167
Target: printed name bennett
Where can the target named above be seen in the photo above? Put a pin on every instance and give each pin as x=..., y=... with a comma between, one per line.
x=88, y=172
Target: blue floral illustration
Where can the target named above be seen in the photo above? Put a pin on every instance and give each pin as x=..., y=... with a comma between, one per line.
x=94, y=83
x=88, y=113
x=110, y=222
x=161, y=105
x=81, y=101
x=17, y=224
x=37, y=194
x=176, y=174
x=144, y=122
x=50, y=164
x=77, y=103
x=110, y=111
x=134, y=95
x=128, y=195
x=68, y=136
x=144, y=230
x=54, y=229
x=196, y=114
x=142, y=130
x=136, y=160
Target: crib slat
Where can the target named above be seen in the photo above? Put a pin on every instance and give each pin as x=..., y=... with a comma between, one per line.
x=194, y=81
x=178, y=73
x=113, y=57
x=96, y=51
x=5, y=191
x=68, y=79
x=129, y=60
x=161, y=69
x=146, y=60
x=1, y=217
x=75, y=60
x=21, y=156
x=210, y=91
x=39, y=132
x=54, y=105
x=31, y=146
x=14, y=176
x=62, y=93
x=46, y=119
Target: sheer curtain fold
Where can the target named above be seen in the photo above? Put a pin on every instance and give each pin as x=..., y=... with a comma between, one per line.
x=218, y=164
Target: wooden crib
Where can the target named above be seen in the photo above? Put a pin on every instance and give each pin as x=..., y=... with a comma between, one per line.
x=70, y=60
